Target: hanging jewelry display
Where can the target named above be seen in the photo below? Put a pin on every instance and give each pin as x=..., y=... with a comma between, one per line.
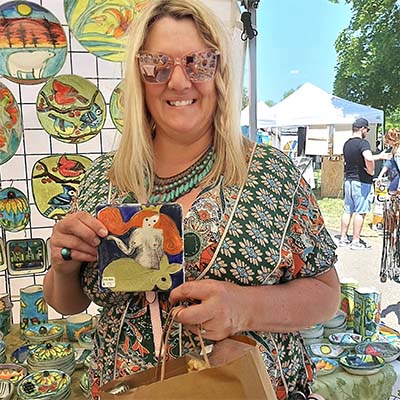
x=116, y=106
x=26, y=256
x=100, y=26
x=55, y=180
x=33, y=46
x=10, y=124
x=14, y=210
x=71, y=109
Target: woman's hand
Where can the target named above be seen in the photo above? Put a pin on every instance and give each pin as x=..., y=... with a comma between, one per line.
x=80, y=233
x=219, y=311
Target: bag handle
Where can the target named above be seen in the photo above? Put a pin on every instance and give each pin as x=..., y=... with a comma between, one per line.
x=171, y=317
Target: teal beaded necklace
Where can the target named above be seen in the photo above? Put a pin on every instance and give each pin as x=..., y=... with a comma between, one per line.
x=169, y=189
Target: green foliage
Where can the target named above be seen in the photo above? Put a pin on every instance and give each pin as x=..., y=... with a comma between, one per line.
x=245, y=98
x=368, y=68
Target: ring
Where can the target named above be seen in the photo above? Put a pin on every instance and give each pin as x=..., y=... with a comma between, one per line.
x=66, y=253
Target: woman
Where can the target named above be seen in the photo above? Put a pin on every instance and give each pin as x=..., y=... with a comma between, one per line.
x=391, y=167
x=252, y=226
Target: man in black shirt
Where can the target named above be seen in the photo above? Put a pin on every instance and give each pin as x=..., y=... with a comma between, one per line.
x=359, y=168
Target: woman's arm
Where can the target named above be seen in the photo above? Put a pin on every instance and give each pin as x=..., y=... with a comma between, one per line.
x=226, y=309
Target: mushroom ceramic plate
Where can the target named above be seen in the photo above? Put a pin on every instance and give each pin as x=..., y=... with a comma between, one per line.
x=362, y=364
x=324, y=365
x=12, y=372
x=384, y=350
x=327, y=350
x=345, y=339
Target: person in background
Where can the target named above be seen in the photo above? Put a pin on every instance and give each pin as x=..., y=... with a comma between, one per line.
x=258, y=258
x=391, y=168
x=359, y=168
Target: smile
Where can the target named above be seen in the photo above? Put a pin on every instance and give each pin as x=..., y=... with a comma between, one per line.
x=180, y=103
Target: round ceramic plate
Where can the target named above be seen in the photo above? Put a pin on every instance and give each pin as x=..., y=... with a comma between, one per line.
x=345, y=339
x=51, y=351
x=21, y=354
x=10, y=124
x=362, y=364
x=338, y=320
x=55, y=180
x=44, y=332
x=384, y=350
x=327, y=350
x=71, y=109
x=14, y=209
x=312, y=332
x=116, y=106
x=33, y=46
x=85, y=339
x=35, y=385
x=325, y=366
x=12, y=372
x=99, y=26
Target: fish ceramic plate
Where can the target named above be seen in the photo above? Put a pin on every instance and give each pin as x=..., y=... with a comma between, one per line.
x=345, y=339
x=12, y=372
x=44, y=332
x=33, y=46
x=55, y=181
x=71, y=109
x=14, y=209
x=100, y=26
x=117, y=107
x=26, y=256
x=362, y=364
x=327, y=350
x=385, y=350
x=10, y=124
x=324, y=365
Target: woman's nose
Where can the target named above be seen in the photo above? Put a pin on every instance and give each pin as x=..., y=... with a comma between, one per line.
x=179, y=79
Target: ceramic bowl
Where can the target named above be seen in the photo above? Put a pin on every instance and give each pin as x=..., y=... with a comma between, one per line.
x=338, y=329
x=324, y=365
x=43, y=333
x=362, y=364
x=313, y=332
x=85, y=339
x=6, y=390
x=80, y=356
x=327, y=350
x=345, y=339
x=12, y=372
x=382, y=349
x=339, y=319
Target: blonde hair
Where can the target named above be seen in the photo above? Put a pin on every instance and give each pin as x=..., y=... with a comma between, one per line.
x=393, y=134
x=132, y=169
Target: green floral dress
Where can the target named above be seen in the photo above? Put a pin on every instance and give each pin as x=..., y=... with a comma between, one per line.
x=268, y=232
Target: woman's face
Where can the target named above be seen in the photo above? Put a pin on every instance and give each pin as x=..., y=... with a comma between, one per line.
x=183, y=110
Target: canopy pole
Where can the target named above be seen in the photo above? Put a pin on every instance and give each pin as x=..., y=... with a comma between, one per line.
x=249, y=34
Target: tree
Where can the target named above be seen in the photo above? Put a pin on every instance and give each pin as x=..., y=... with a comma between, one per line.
x=368, y=68
x=245, y=97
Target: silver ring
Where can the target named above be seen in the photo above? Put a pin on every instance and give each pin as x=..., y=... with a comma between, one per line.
x=66, y=254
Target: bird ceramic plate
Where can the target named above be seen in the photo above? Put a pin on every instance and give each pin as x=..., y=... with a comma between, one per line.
x=26, y=256
x=327, y=350
x=14, y=209
x=144, y=248
x=10, y=124
x=71, y=109
x=362, y=364
x=55, y=181
x=33, y=45
x=385, y=350
x=345, y=339
x=100, y=26
x=324, y=365
x=116, y=106
x=12, y=372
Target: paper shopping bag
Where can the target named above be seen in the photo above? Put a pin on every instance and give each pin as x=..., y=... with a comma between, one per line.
x=237, y=372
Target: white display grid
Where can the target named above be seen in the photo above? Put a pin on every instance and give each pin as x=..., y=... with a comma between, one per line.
x=36, y=144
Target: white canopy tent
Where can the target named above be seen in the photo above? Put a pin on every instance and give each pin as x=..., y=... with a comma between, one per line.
x=265, y=116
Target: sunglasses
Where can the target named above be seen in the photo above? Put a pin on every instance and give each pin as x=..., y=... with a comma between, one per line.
x=199, y=66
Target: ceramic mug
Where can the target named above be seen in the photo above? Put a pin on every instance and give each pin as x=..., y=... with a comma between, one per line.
x=5, y=321
x=33, y=308
x=78, y=323
x=347, y=287
x=367, y=307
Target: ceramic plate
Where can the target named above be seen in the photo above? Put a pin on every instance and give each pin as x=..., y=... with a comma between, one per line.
x=325, y=366
x=338, y=320
x=33, y=46
x=14, y=209
x=6, y=390
x=21, y=354
x=379, y=349
x=312, y=332
x=327, y=350
x=51, y=351
x=71, y=109
x=116, y=106
x=345, y=339
x=80, y=356
x=44, y=332
x=362, y=364
x=85, y=339
x=12, y=372
x=100, y=26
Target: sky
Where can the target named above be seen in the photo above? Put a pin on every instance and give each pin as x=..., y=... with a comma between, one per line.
x=295, y=44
